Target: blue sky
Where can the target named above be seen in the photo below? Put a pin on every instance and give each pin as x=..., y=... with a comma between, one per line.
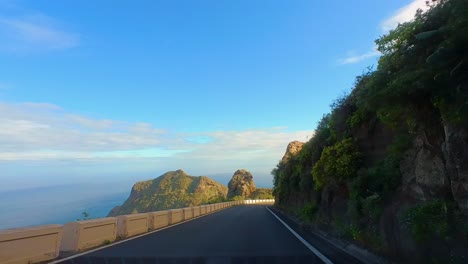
x=99, y=90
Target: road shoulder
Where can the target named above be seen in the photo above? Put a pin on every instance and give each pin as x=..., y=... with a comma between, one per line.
x=334, y=250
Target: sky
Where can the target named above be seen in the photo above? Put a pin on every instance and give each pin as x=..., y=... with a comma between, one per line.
x=120, y=91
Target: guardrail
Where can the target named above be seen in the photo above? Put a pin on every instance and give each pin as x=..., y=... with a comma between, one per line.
x=45, y=243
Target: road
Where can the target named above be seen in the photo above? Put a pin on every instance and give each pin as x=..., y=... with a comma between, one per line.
x=240, y=234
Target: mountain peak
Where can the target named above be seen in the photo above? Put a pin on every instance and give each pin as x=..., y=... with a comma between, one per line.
x=241, y=184
x=173, y=189
x=293, y=148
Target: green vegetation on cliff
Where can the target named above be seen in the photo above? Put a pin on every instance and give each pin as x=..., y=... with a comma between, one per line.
x=388, y=166
x=174, y=189
x=262, y=193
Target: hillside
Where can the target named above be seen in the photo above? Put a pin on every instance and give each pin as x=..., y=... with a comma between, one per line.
x=174, y=189
x=388, y=167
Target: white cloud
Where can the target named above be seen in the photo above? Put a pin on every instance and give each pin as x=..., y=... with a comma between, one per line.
x=404, y=14
x=34, y=33
x=33, y=127
x=90, y=123
x=360, y=57
x=45, y=132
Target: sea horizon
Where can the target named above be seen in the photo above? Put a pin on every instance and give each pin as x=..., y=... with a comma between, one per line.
x=58, y=204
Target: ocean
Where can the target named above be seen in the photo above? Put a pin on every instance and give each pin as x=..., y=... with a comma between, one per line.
x=58, y=204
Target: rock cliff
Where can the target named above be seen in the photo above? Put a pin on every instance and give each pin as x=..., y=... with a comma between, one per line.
x=241, y=184
x=292, y=150
x=174, y=189
x=387, y=168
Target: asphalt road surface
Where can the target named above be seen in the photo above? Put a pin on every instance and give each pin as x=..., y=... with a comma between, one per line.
x=240, y=234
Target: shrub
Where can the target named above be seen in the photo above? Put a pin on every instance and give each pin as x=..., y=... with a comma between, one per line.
x=237, y=198
x=372, y=207
x=350, y=231
x=385, y=177
x=428, y=220
x=309, y=211
x=337, y=163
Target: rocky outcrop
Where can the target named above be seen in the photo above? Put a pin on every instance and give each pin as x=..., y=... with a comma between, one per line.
x=174, y=189
x=438, y=170
x=455, y=149
x=423, y=171
x=291, y=151
x=241, y=184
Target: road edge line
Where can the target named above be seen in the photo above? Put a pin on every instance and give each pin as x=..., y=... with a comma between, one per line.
x=309, y=246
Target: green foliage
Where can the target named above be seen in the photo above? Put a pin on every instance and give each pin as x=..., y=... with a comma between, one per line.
x=419, y=85
x=308, y=212
x=429, y=220
x=372, y=208
x=423, y=68
x=237, y=198
x=385, y=177
x=106, y=242
x=173, y=189
x=262, y=193
x=349, y=231
x=358, y=117
x=337, y=163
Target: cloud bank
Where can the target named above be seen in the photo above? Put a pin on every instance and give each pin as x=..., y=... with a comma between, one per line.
x=39, y=133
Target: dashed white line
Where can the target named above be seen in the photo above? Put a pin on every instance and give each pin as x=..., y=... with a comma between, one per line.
x=309, y=246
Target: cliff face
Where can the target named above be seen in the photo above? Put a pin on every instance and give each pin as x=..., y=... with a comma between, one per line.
x=388, y=167
x=292, y=150
x=173, y=189
x=241, y=184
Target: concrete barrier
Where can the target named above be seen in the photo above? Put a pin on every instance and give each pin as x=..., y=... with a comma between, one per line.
x=203, y=210
x=196, y=211
x=131, y=225
x=259, y=201
x=86, y=234
x=30, y=245
x=209, y=209
x=175, y=216
x=188, y=213
x=158, y=219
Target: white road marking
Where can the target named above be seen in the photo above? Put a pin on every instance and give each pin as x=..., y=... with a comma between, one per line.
x=131, y=238
x=309, y=246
